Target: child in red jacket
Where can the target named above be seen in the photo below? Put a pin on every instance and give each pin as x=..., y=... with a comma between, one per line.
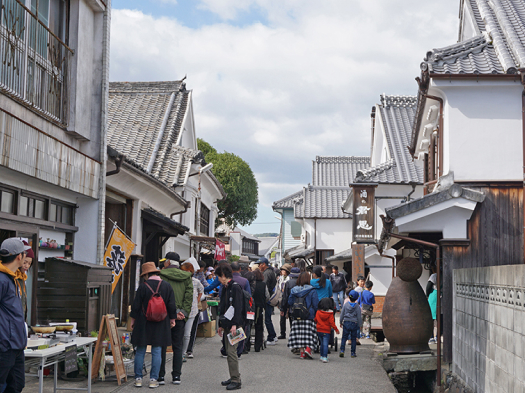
x=325, y=320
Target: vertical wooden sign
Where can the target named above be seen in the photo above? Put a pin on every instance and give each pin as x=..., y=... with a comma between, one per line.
x=358, y=261
x=364, y=213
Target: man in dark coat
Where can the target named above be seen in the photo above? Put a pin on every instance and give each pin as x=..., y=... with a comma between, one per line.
x=156, y=334
x=292, y=282
x=271, y=282
x=13, y=338
x=231, y=310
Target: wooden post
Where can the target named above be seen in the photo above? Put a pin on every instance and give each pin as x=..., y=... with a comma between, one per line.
x=358, y=261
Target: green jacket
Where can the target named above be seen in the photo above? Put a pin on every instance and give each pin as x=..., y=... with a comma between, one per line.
x=182, y=285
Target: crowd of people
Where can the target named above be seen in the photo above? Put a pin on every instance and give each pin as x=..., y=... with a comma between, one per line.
x=165, y=311
x=307, y=299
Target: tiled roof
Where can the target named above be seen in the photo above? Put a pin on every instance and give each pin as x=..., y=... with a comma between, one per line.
x=322, y=202
x=144, y=115
x=500, y=47
x=397, y=114
x=287, y=202
x=337, y=171
x=473, y=56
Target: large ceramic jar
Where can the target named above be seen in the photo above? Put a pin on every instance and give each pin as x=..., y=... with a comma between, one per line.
x=407, y=320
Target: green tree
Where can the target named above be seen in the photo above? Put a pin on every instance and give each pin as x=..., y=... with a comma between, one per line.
x=238, y=181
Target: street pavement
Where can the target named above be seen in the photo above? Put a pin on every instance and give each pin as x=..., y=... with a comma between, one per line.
x=274, y=369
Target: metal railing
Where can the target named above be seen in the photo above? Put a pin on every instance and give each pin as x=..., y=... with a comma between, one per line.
x=34, y=62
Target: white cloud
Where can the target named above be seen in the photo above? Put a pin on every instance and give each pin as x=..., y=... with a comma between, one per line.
x=302, y=85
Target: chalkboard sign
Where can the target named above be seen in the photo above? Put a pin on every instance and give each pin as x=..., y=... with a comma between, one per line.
x=70, y=362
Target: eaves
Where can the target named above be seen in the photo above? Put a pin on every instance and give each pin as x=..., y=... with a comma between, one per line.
x=153, y=181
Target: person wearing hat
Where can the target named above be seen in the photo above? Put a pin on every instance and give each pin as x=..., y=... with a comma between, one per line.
x=182, y=286
x=21, y=276
x=290, y=283
x=351, y=322
x=285, y=271
x=271, y=282
x=253, y=265
x=13, y=337
x=156, y=334
x=172, y=259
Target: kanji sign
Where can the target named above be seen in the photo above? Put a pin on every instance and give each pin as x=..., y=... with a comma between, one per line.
x=220, y=250
x=364, y=213
x=117, y=253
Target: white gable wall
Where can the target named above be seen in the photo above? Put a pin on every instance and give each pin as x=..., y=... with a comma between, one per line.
x=482, y=130
x=332, y=234
x=380, y=151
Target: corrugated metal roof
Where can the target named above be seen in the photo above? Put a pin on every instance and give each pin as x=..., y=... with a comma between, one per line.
x=337, y=171
x=138, y=112
x=500, y=47
x=397, y=116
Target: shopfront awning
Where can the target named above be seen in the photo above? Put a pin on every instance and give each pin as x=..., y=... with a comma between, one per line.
x=299, y=252
x=158, y=223
x=343, y=256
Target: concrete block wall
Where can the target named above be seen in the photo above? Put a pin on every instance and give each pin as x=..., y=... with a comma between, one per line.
x=489, y=328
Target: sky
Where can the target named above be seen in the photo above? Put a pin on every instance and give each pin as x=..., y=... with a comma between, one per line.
x=279, y=82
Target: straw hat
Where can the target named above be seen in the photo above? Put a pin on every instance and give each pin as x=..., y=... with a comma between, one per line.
x=148, y=267
x=244, y=258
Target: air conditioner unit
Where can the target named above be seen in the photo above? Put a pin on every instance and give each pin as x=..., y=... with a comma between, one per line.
x=303, y=237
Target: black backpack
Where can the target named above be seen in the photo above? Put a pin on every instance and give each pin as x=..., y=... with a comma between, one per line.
x=299, y=309
x=248, y=305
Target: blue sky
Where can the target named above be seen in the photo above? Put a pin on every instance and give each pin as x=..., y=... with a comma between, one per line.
x=279, y=82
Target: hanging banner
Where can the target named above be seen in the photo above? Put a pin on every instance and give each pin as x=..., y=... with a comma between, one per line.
x=364, y=213
x=220, y=250
x=118, y=251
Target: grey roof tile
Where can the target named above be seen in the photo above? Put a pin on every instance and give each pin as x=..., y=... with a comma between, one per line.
x=322, y=202
x=288, y=202
x=498, y=49
x=136, y=113
x=397, y=114
x=337, y=171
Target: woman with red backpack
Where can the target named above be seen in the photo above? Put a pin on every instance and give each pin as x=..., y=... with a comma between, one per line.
x=153, y=313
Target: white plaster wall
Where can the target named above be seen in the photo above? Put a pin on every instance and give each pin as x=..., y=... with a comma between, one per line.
x=380, y=152
x=400, y=191
x=334, y=234
x=468, y=28
x=188, y=137
x=482, y=130
x=235, y=243
x=86, y=219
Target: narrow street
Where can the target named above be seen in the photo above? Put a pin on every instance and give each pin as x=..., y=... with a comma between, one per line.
x=276, y=369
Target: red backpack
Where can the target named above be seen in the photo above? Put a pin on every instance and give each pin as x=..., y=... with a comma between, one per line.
x=156, y=311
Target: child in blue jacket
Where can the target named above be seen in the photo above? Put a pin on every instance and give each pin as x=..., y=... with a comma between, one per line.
x=351, y=322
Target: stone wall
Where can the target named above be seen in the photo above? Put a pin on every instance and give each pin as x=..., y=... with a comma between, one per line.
x=489, y=328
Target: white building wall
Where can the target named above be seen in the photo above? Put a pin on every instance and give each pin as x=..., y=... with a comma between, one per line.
x=482, y=130
x=288, y=240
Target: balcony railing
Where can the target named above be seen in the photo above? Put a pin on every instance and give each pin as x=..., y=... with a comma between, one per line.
x=34, y=63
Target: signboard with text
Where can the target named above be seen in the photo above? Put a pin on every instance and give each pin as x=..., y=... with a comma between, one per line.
x=220, y=250
x=117, y=253
x=364, y=213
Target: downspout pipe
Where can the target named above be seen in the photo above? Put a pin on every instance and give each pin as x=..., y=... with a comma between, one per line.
x=393, y=263
x=103, y=137
x=522, y=78
x=438, y=284
x=118, y=164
